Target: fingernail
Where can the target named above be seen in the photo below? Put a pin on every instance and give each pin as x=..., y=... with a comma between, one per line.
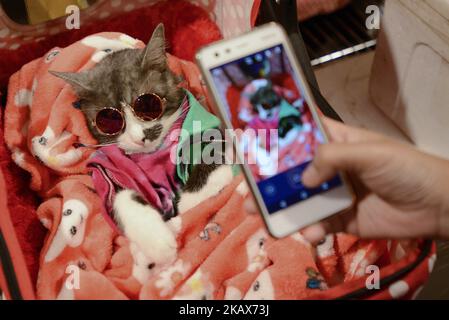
x=314, y=234
x=249, y=206
x=308, y=175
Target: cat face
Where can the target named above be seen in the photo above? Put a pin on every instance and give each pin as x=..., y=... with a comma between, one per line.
x=265, y=101
x=117, y=81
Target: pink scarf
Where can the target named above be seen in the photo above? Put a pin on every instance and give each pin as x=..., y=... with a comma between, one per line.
x=151, y=175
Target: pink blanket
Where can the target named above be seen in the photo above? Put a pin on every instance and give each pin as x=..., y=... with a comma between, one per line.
x=85, y=258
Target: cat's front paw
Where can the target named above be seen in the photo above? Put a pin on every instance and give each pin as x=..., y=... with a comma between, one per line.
x=144, y=226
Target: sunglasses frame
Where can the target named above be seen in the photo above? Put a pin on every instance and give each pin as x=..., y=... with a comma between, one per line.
x=162, y=101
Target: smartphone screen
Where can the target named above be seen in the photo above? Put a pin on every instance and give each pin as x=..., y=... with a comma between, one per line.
x=276, y=132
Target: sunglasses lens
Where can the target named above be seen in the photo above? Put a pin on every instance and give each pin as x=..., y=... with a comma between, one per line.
x=109, y=121
x=148, y=107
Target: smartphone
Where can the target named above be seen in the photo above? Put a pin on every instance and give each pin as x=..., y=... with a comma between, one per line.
x=261, y=94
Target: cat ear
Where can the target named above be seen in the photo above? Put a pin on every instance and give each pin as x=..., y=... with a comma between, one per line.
x=154, y=53
x=77, y=80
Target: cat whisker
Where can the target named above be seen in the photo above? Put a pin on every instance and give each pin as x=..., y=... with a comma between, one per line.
x=84, y=145
x=182, y=114
x=216, y=140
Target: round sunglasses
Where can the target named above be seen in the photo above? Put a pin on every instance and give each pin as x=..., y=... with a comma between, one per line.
x=146, y=107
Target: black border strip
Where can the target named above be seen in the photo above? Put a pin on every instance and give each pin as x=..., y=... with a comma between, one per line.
x=8, y=270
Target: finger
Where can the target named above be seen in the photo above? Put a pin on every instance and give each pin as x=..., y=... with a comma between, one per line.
x=318, y=231
x=315, y=233
x=250, y=205
x=334, y=224
x=378, y=219
x=333, y=157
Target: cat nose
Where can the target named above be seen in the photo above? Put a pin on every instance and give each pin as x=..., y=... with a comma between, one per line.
x=153, y=133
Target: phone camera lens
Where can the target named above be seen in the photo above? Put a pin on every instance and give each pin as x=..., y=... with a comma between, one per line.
x=217, y=54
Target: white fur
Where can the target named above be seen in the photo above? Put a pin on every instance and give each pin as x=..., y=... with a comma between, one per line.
x=140, y=271
x=265, y=114
x=175, y=224
x=144, y=226
x=299, y=103
x=216, y=181
x=131, y=139
x=259, y=83
x=245, y=115
x=293, y=135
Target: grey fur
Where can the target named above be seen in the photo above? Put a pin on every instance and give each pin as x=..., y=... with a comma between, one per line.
x=153, y=133
x=121, y=77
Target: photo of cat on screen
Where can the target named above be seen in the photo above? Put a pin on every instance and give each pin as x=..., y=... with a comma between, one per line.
x=262, y=96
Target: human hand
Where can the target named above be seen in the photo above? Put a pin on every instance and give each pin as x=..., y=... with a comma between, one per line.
x=401, y=192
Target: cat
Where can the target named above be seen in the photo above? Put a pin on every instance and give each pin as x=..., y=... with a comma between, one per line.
x=266, y=102
x=116, y=81
x=287, y=124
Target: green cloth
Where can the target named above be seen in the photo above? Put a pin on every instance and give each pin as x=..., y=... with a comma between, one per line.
x=287, y=110
x=191, y=133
